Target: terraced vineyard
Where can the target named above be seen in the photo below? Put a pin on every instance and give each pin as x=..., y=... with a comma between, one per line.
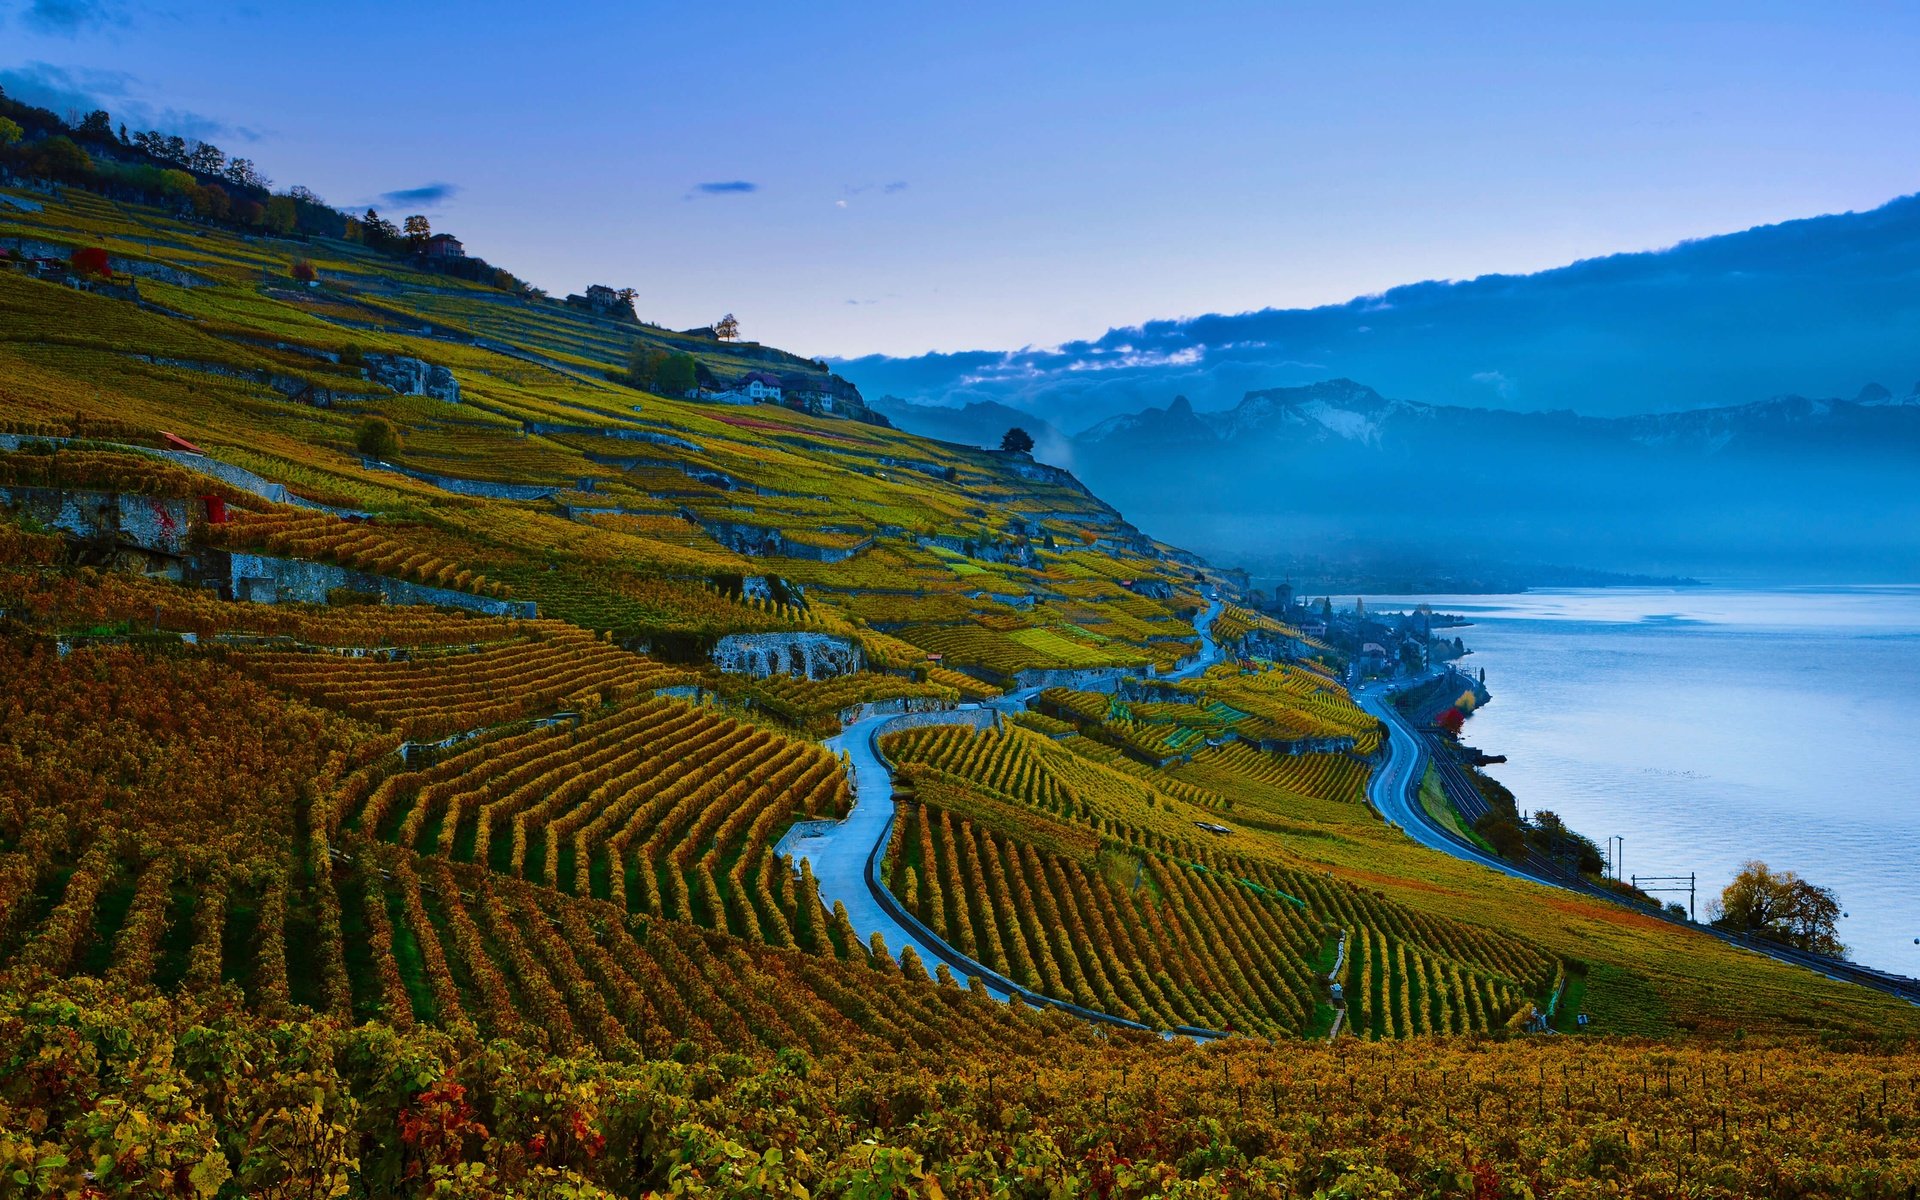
x=1168, y=947
x=294, y=533
x=373, y=898
x=546, y=666
x=659, y=807
x=1112, y=903
x=807, y=704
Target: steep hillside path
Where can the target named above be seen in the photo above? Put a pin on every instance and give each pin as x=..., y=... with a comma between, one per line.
x=1394, y=791
x=845, y=855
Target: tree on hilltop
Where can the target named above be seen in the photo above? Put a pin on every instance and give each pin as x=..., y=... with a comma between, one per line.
x=283, y=217
x=377, y=232
x=1781, y=907
x=418, y=230
x=727, y=328
x=1018, y=441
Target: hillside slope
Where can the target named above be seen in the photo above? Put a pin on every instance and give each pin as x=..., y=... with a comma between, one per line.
x=473, y=753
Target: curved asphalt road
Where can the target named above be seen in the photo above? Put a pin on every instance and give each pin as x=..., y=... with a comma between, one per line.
x=1395, y=787
x=1394, y=790
x=839, y=850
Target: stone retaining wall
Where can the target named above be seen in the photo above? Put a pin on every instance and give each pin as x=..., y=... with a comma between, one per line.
x=266, y=579
x=158, y=523
x=975, y=718
x=484, y=488
x=900, y=704
x=801, y=655
x=1084, y=679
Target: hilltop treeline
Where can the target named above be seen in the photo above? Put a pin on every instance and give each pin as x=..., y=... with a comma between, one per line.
x=198, y=180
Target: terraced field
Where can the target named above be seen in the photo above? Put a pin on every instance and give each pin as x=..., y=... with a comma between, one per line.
x=284, y=878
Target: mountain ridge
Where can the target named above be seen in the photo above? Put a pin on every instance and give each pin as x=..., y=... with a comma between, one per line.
x=1773, y=487
x=1797, y=306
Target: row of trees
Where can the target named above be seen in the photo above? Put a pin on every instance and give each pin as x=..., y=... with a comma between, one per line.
x=662, y=372
x=195, y=176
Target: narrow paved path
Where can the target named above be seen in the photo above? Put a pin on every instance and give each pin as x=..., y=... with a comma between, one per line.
x=1394, y=790
x=841, y=852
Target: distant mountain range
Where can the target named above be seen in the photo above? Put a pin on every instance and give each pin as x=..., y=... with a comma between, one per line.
x=1804, y=306
x=1786, y=488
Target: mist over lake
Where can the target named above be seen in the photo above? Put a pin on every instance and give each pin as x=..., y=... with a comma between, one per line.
x=1710, y=726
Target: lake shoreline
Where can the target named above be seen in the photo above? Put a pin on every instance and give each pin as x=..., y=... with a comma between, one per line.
x=1658, y=715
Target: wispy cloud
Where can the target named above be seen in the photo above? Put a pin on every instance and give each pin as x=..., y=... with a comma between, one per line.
x=82, y=89
x=861, y=189
x=70, y=18
x=1497, y=380
x=427, y=195
x=723, y=187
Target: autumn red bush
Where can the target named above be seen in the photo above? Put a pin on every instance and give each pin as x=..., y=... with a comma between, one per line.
x=92, y=262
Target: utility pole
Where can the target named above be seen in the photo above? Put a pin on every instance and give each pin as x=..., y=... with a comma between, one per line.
x=1688, y=883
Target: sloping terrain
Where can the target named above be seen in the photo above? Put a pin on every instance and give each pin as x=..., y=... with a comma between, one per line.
x=379, y=674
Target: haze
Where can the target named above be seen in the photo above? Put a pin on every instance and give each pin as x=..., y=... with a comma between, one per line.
x=853, y=180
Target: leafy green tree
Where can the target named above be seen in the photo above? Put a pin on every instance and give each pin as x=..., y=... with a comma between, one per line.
x=282, y=216
x=60, y=158
x=418, y=230
x=377, y=438
x=643, y=365
x=1781, y=907
x=378, y=232
x=1503, y=834
x=676, y=376
x=1017, y=441
x=10, y=131
x=212, y=201
x=652, y=369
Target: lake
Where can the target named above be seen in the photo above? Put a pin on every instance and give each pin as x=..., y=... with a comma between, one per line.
x=1709, y=726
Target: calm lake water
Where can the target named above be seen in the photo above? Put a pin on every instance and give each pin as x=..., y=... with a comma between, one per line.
x=1710, y=726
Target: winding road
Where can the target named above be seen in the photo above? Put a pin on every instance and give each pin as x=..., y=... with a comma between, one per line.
x=846, y=854
x=1395, y=787
x=1394, y=790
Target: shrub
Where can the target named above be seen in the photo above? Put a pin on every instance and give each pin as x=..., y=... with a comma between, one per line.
x=377, y=438
x=92, y=262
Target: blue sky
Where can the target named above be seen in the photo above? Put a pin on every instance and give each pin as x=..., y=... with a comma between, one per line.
x=852, y=179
